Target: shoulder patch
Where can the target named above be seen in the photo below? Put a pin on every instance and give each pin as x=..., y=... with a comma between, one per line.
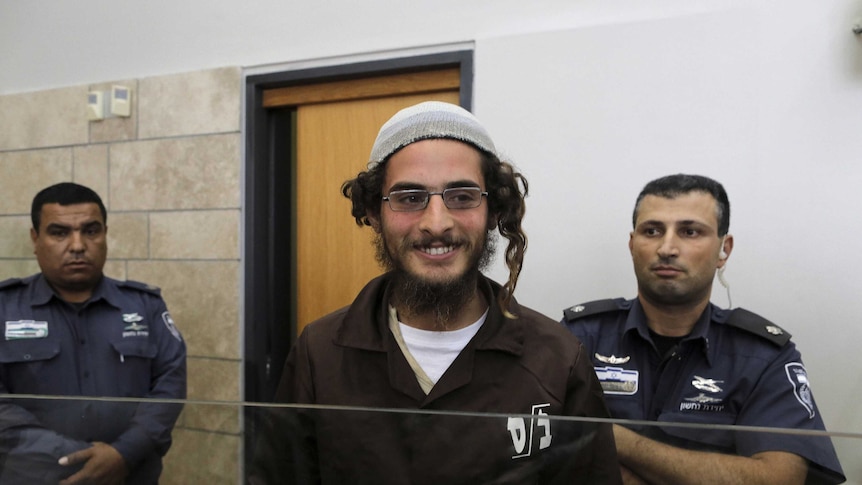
x=10, y=283
x=596, y=307
x=137, y=285
x=754, y=323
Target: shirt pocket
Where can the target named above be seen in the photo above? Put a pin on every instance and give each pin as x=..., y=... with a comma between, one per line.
x=24, y=361
x=134, y=348
x=133, y=373
x=27, y=350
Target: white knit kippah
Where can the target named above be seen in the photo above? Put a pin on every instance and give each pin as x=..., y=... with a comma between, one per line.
x=431, y=119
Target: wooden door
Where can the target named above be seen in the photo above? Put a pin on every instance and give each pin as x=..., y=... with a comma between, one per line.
x=335, y=128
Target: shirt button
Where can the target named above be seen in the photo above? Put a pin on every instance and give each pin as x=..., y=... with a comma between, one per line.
x=27, y=356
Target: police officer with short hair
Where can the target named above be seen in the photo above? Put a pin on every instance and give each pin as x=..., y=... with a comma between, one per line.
x=671, y=356
x=71, y=331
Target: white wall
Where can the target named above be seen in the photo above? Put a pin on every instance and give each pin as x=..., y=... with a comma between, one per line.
x=54, y=44
x=591, y=99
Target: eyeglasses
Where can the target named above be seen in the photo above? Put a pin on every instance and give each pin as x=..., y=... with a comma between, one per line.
x=416, y=200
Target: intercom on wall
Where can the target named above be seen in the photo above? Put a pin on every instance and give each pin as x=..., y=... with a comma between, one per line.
x=95, y=106
x=121, y=101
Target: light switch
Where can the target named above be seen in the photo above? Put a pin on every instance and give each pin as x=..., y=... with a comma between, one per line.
x=95, y=106
x=121, y=101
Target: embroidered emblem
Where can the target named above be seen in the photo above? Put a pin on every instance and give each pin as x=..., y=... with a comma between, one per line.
x=26, y=329
x=613, y=359
x=522, y=437
x=577, y=308
x=134, y=329
x=169, y=322
x=703, y=399
x=799, y=378
x=615, y=380
x=702, y=402
x=774, y=330
x=703, y=384
x=132, y=318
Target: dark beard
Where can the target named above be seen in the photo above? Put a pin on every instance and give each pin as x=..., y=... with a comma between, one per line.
x=443, y=299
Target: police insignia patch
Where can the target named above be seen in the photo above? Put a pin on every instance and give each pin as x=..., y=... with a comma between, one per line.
x=169, y=323
x=132, y=318
x=615, y=380
x=612, y=359
x=703, y=399
x=26, y=329
x=704, y=384
x=799, y=378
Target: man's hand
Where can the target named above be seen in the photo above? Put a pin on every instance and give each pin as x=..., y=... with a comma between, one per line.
x=103, y=465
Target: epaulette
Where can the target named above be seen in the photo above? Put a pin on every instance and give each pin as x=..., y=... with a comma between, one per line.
x=137, y=285
x=754, y=323
x=596, y=307
x=10, y=283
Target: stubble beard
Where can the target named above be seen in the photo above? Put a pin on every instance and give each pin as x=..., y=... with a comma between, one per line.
x=441, y=298
x=75, y=280
x=671, y=293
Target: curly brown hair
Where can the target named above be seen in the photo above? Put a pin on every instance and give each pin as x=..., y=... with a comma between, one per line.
x=506, y=188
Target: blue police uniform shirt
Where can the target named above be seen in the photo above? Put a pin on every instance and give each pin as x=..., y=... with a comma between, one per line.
x=121, y=342
x=734, y=368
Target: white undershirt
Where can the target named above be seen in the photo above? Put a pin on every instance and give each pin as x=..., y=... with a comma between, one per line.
x=435, y=351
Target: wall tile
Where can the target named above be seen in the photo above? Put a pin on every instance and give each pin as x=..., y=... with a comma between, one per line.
x=203, y=298
x=127, y=235
x=190, y=103
x=15, y=242
x=23, y=174
x=181, y=418
x=213, y=380
x=18, y=268
x=195, y=235
x=188, y=173
x=90, y=168
x=115, y=268
x=115, y=128
x=51, y=118
x=221, y=418
x=202, y=457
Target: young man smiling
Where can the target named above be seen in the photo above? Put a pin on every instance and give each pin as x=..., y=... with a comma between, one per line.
x=435, y=335
x=436, y=252
x=669, y=355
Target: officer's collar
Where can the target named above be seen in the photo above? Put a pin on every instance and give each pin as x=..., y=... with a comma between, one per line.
x=637, y=322
x=42, y=292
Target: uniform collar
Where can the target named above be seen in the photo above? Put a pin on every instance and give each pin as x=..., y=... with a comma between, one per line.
x=43, y=293
x=637, y=322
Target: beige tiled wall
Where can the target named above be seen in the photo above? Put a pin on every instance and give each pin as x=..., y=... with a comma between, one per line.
x=170, y=178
